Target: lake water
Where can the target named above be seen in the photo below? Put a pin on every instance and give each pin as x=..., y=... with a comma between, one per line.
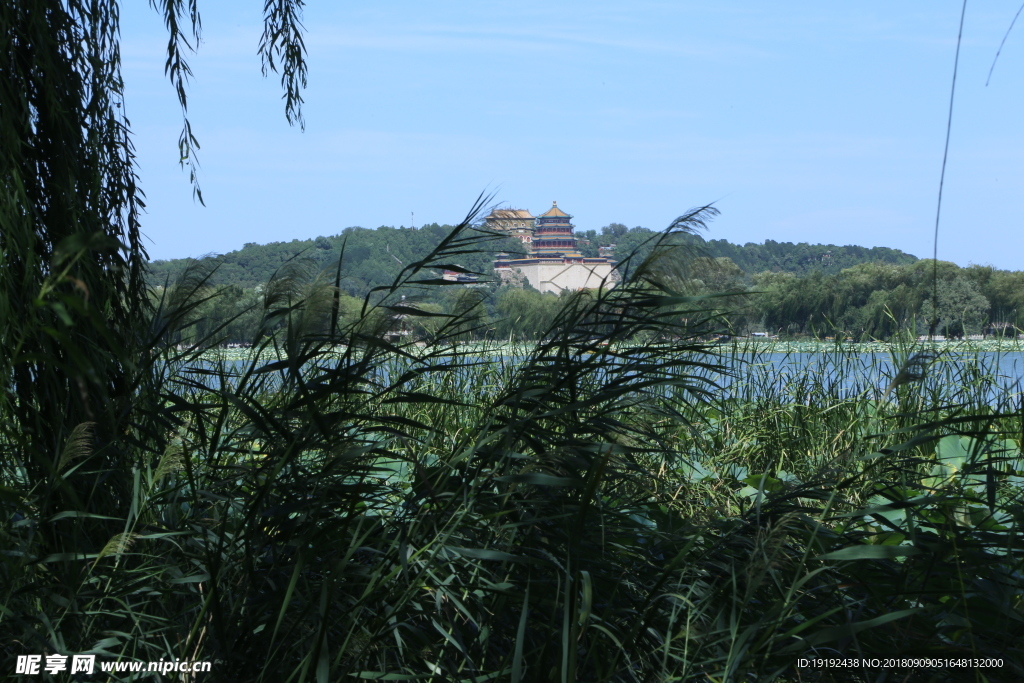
x=966, y=374
x=971, y=372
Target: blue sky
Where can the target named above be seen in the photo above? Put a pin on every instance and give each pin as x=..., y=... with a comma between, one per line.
x=802, y=121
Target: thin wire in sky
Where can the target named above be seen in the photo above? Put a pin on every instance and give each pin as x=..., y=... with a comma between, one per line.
x=942, y=178
x=1001, y=45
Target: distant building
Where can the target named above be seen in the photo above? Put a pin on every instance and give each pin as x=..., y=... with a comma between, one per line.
x=552, y=263
x=455, y=276
x=518, y=222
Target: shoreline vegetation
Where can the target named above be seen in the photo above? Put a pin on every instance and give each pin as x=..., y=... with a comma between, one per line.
x=742, y=345
x=801, y=291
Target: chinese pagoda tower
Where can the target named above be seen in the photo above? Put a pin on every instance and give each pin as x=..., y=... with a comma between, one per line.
x=552, y=263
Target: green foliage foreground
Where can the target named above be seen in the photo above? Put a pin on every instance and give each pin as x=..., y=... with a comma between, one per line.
x=591, y=507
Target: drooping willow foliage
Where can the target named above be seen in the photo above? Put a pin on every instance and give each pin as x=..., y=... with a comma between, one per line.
x=74, y=313
x=72, y=305
x=76, y=324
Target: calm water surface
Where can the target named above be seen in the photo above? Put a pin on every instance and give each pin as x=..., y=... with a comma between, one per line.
x=984, y=375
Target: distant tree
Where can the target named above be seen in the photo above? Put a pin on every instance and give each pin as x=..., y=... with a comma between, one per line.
x=718, y=275
x=524, y=313
x=588, y=243
x=1005, y=291
x=614, y=230
x=427, y=325
x=962, y=308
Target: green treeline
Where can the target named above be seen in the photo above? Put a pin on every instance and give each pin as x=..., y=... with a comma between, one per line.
x=373, y=258
x=877, y=300
x=793, y=290
x=370, y=258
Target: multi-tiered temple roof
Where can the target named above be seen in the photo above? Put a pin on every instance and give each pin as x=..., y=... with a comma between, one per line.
x=553, y=234
x=553, y=262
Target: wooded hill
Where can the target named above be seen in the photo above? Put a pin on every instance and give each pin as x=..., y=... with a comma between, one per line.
x=789, y=289
x=373, y=258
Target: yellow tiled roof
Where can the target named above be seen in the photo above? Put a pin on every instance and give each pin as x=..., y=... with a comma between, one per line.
x=510, y=213
x=554, y=211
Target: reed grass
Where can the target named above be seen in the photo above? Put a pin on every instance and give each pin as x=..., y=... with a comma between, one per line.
x=619, y=501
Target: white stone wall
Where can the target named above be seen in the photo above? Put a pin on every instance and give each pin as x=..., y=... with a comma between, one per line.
x=555, y=277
